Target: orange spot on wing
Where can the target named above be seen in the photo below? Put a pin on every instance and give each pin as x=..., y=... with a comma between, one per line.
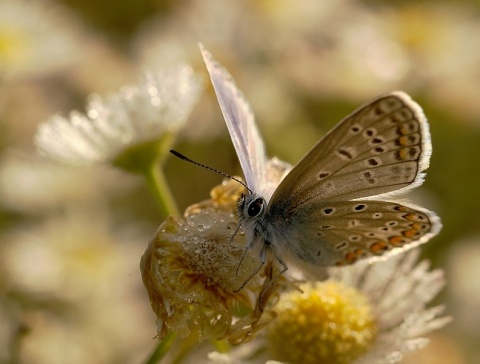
x=403, y=140
x=416, y=226
x=403, y=153
x=396, y=240
x=350, y=258
x=378, y=247
x=411, y=217
x=410, y=233
x=403, y=130
x=360, y=253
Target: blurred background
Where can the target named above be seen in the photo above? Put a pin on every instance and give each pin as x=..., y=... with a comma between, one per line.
x=71, y=238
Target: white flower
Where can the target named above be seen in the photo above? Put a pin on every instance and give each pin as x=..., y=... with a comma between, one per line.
x=367, y=313
x=30, y=185
x=36, y=37
x=399, y=289
x=149, y=112
x=75, y=273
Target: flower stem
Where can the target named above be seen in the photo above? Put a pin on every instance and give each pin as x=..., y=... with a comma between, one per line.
x=162, y=348
x=159, y=186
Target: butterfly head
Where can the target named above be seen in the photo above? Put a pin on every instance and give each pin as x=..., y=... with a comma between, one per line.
x=251, y=206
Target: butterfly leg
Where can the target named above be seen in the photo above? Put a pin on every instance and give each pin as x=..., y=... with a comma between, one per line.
x=263, y=259
x=240, y=263
x=284, y=266
x=235, y=232
x=273, y=278
x=247, y=248
x=263, y=296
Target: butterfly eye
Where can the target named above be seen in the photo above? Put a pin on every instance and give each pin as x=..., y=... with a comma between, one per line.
x=255, y=207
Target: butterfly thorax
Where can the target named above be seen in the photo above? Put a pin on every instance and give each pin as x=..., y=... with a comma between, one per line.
x=263, y=231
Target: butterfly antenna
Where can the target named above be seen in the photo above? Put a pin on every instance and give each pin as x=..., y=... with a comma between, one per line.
x=182, y=157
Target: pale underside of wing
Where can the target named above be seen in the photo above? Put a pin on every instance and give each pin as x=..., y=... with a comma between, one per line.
x=380, y=149
x=240, y=122
x=340, y=233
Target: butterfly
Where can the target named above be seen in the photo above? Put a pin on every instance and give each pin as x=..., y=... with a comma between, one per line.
x=334, y=207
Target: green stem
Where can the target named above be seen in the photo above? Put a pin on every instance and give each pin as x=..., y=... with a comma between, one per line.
x=220, y=346
x=186, y=347
x=159, y=186
x=162, y=348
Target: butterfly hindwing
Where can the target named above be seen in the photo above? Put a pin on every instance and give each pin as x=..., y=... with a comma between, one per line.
x=339, y=233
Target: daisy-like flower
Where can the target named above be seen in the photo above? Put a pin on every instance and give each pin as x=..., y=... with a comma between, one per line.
x=68, y=282
x=132, y=129
x=197, y=277
x=31, y=185
x=368, y=313
x=124, y=128
x=36, y=38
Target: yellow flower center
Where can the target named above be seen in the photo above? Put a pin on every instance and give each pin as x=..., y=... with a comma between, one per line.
x=327, y=323
x=13, y=46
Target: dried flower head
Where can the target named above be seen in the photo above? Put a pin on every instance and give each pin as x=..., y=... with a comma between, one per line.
x=193, y=271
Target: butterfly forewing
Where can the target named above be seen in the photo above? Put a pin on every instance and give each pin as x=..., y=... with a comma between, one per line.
x=240, y=122
x=380, y=148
